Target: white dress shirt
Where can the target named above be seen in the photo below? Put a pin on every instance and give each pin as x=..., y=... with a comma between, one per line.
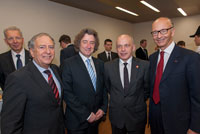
x=198, y=50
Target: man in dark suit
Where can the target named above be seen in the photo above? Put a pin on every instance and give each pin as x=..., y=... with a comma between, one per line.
x=33, y=95
x=174, y=84
x=8, y=60
x=107, y=55
x=141, y=52
x=127, y=80
x=84, y=91
x=67, y=51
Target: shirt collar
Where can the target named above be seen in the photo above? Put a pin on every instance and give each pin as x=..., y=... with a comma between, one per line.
x=84, y=58
x=129, y=61
x=169, y=49
x=41, y=69
x=21, y=53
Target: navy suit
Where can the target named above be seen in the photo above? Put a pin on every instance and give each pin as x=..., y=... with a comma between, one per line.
x=7, y=65
x=179, y=92
x=79, y=93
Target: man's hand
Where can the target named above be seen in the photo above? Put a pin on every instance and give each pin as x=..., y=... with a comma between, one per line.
x=191, y=132
x=92, y=118
x=99, y=114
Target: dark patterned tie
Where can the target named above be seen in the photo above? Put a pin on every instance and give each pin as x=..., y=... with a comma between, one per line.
x=19, y=61
x=52, y=84
x=159, y=71
x=126, y=79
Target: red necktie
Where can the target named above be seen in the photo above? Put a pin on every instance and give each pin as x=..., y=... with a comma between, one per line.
x=52, y=84
x=159, y=71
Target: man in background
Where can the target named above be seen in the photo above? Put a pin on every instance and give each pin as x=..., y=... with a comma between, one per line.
x=196, y=37
x=15, y=58
x=68, y=48
x=33, y=95
x=141, y=52
x=127, y=80
x=174, y=84
x=84, y=90
x=107, y=55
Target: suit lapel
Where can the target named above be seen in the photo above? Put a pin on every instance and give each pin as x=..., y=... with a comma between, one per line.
x=40, y=80
x=134, y=72
x=154, y=65
x=11, y=62
x=27, y=57
x=172, y=61
x=105, y=56
x=117, y=72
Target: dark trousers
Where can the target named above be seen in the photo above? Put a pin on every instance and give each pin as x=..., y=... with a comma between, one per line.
x=92, y=129
x=156, y=122
x=116, y=130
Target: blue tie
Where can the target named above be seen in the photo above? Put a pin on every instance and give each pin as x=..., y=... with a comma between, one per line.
x=91, y=73
x=19, y=62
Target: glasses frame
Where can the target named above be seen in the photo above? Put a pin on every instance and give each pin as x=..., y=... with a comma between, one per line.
x=162, y=31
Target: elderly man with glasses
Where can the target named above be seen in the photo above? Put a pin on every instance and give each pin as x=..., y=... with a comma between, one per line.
x=174, y=84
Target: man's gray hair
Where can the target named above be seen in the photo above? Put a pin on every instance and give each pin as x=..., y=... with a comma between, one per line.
x=31, y=43
x=14, y=28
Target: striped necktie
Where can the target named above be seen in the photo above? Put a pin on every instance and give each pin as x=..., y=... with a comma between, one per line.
x=91, y=73
x=52, y=84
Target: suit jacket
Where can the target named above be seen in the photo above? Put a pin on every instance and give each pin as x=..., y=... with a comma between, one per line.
x=179, y=91
x=79, y=93
x=67, y=52
x=128, y=108
x=7, y=65
x=141, y=54
x=29, y=105
x=102, y=56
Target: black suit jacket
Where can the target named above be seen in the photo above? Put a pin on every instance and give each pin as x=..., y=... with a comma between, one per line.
x=67, y=52
x=179, y=91
x=7, y=65
x=79, y=93
x=141, y=54
x=128, y=108
x=29, y=105
x=102, y=56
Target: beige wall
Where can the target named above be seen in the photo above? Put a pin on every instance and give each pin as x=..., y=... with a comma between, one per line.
x=34, y=16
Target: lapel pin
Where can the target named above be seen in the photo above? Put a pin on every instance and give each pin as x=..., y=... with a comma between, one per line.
x=175, y=61
x=137, y=66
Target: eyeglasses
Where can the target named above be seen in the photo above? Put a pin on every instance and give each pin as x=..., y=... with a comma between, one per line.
x=162, y=31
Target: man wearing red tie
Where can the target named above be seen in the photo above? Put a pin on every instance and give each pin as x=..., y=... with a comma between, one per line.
x=174, y=82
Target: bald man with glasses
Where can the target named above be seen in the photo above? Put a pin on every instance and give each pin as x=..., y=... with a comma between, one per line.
x=174, y=84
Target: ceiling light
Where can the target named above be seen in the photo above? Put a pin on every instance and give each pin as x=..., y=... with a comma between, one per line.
x=181, y=11
x=150, y=6
x=124, y=10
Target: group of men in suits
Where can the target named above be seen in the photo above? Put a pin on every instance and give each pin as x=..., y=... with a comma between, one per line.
x=33, y=95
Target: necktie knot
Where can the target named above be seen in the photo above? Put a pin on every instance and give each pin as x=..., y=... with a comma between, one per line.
x=18, y=56
x=88, y=61
x=162, y=54
x=47, y=72
x=125, y=64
